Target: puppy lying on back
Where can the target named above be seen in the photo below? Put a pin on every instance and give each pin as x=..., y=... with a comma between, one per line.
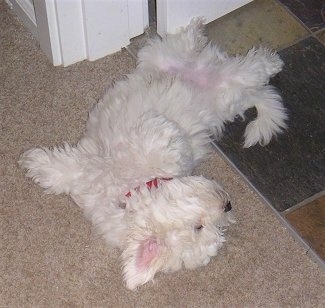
x=131, y=171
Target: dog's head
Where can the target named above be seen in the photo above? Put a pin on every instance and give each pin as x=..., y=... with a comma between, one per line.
x=181, y=222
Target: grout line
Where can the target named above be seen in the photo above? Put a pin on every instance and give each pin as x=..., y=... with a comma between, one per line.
x=309, y=250
x=308, y=35
x=293, y=15
x=314, y=35
x=319, y=31
x=304, y=202
x=310, y=32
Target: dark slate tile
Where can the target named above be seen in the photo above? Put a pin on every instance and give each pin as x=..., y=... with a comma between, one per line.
x=321, y=36
x=291, y=168
x=310, y=12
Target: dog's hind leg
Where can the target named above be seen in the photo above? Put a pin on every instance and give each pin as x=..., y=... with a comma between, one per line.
x=252, y=74
x=240, y=83
x=174, y=51
x=253, y=70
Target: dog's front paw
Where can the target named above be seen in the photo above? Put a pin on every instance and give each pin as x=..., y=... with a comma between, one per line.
x=46, y=168
x=38, y=165
x=32, y=158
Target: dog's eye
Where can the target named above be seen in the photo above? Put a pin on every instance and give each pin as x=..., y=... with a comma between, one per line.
x=198, y=227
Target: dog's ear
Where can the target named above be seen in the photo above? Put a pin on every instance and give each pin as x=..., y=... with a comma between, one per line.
x=143, y=258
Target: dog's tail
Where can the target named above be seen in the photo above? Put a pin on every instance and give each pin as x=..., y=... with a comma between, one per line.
x=271, y=117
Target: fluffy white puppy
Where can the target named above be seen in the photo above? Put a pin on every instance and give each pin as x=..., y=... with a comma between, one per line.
x=131, y=171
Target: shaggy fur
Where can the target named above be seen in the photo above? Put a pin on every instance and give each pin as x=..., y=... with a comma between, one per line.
x=156, y=124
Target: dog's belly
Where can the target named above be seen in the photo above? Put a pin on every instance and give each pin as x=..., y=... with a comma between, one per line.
x=204, y=78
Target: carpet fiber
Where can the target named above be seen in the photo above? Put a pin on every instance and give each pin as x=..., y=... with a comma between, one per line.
x=49, y=254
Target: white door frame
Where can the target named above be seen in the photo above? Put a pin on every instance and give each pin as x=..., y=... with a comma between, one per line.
x=172, y=14
x=73, y=30
x=24, y=9
x=70, y=31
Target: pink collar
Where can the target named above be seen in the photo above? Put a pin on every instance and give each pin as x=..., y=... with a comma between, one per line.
x=150, y=184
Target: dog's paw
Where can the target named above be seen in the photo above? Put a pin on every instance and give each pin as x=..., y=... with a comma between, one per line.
x=258, y=66
x=48, y=168
x=38, y=165
x=272, y=61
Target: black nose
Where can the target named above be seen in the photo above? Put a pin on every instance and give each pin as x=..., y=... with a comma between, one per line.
x=227, y=207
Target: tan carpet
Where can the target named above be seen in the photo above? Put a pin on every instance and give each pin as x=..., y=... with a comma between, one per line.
x=49, y=254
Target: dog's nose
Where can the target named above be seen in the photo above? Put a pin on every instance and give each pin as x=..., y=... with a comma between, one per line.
x=227, y=207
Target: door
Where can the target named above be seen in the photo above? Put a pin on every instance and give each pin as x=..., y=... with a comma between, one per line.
x=69, y=31
x=73, y=30
x=172, y=14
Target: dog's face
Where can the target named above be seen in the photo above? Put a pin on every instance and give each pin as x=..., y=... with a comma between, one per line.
x=181, y=222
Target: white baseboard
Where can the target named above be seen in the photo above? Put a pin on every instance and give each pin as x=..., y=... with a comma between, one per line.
x=24, y=9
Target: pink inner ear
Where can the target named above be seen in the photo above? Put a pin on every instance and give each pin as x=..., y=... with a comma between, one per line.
x=147, y=251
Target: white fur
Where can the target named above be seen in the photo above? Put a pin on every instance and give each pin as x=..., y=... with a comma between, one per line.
x=157, y=123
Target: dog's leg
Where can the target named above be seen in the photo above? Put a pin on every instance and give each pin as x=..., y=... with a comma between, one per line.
x=271, y=114
x=253, y=70
x=176, y=51
x=55, y=169
x=251, y=75
x=240, y=83
x=263, y=64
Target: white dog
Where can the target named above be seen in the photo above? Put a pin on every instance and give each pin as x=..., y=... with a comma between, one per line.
x=131, y=171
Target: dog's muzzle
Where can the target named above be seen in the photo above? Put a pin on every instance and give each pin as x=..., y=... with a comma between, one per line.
x=227, y=207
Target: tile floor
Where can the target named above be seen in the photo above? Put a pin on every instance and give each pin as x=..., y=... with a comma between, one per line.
x=271, y=26
x=291, y=169
x=309, y=221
